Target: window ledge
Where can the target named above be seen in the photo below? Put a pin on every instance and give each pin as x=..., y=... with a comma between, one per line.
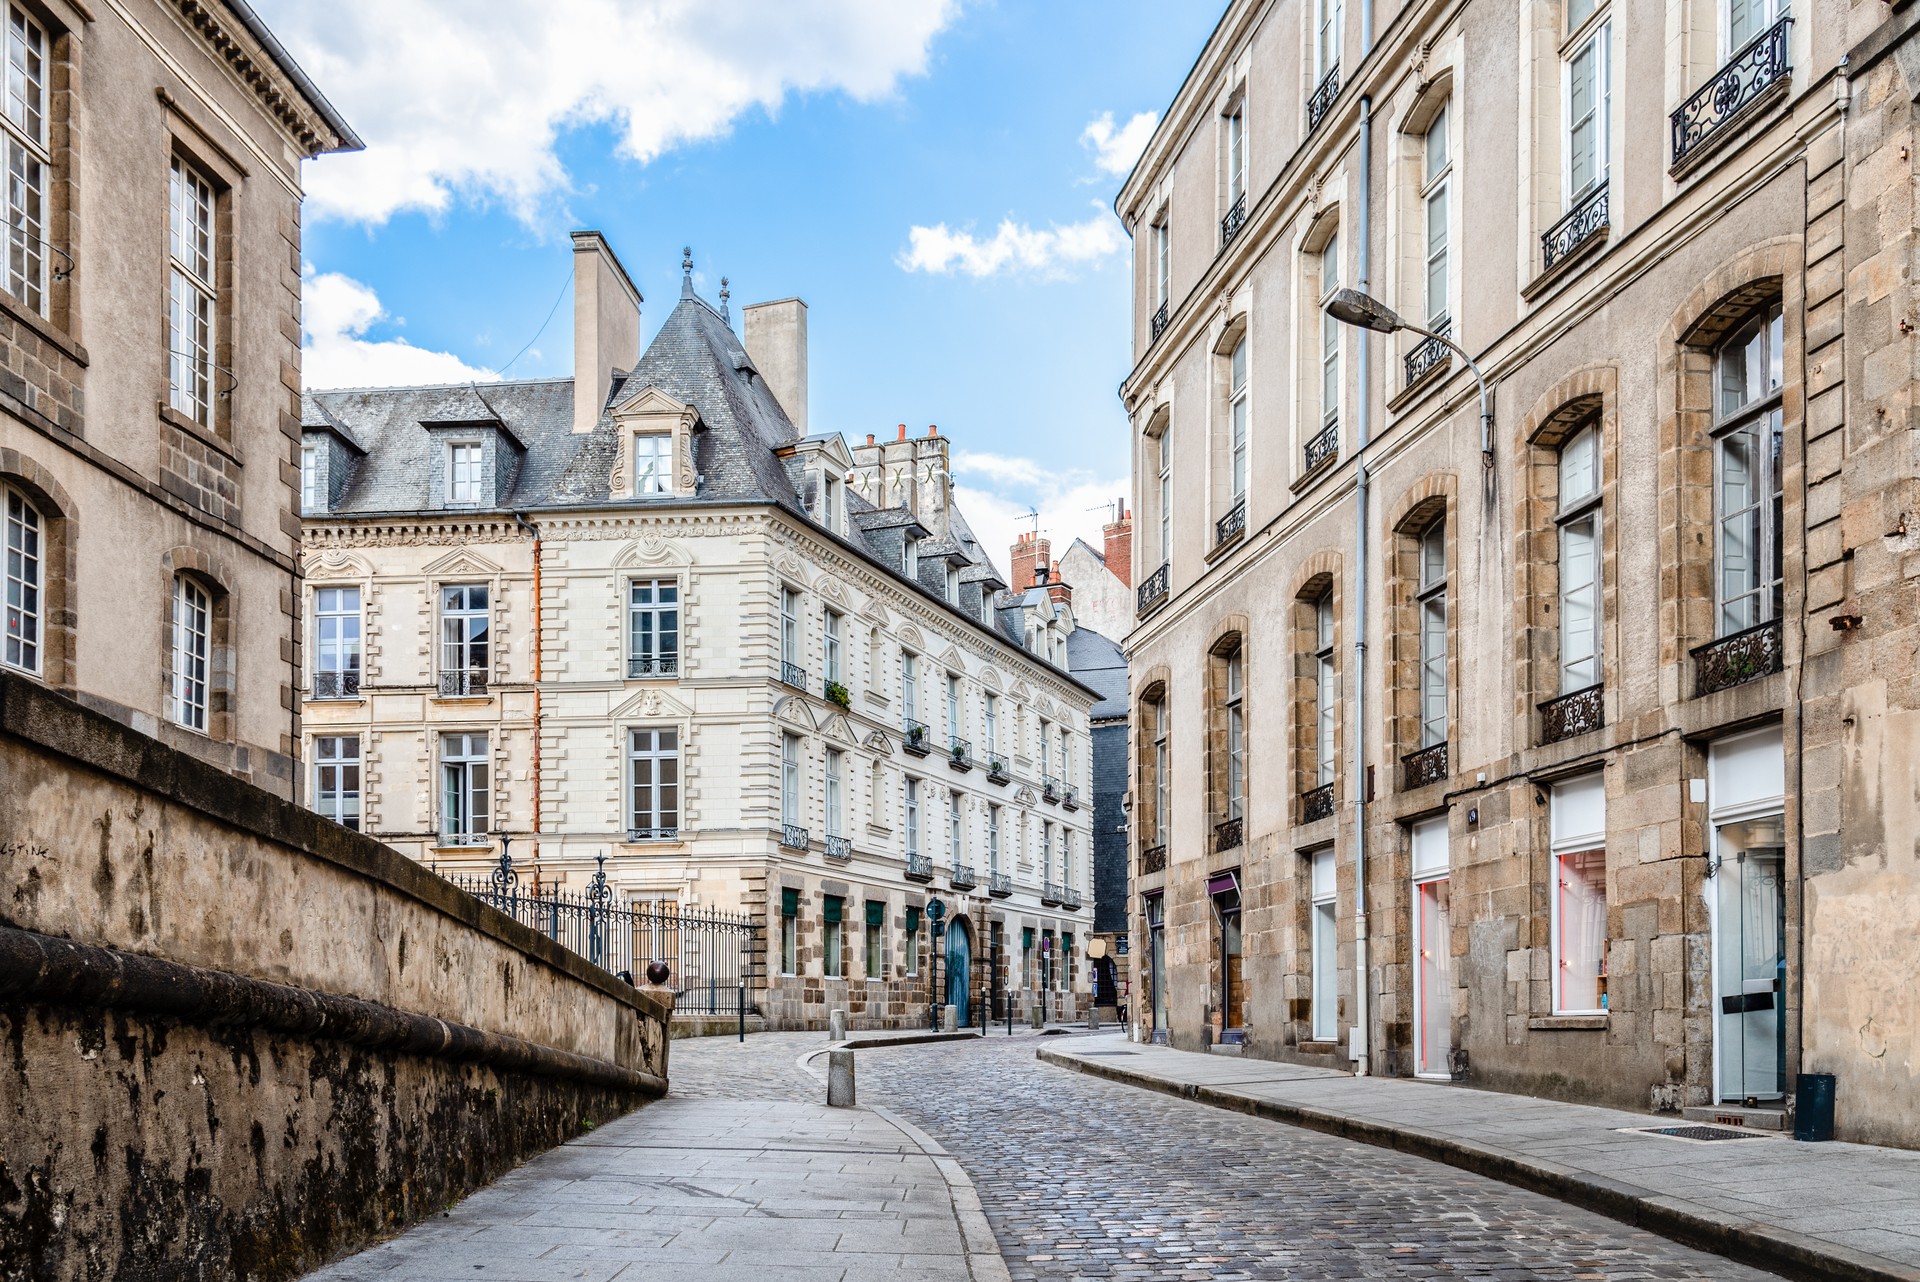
x=1567, y=266
x=1567, y=1023
x=45, y=329
x=1326, y=467
x=485, y=847
x=340, y=699
x=1226, y=545
x=1435, y=375
x=205, y=435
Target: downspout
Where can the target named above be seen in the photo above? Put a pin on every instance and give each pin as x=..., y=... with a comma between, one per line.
x=534, y=530
x=1357, y=780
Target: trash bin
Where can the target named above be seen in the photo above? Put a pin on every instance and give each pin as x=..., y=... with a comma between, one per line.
x=1813, y=1107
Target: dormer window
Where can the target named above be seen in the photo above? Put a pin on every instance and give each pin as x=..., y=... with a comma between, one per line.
x=829, y=502
x=313, y=494
x=912, y=557
x=463, y=471
x=652, y=462
x=953, y=585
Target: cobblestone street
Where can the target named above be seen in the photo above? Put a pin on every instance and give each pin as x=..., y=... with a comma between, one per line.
x=1085, y=1178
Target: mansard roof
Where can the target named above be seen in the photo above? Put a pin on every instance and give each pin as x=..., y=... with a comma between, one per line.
x=1096, y=661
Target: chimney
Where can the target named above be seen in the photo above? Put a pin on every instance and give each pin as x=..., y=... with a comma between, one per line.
x=606, y=325
x=1059, y=591
x=776, y=339
x=1120, y=545
x=1031, y=561
x=910, y=472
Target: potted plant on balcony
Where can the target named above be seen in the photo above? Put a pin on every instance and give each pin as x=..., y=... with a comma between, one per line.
x=838, y=696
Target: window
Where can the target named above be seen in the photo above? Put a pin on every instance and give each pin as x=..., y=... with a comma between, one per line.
x=953, y=708
x=1162, y=254
x=652, y=463
x=1579, y=837
x=336, y=778
x=313, y=494
x=653, y=768
x=192, y=637
x=1160, y=767
x=993, y=724
x=1026, y=957
x=1433, y=634
x=1589, y=106
x=25, y=581
x=1066, y=859
x=953, y=584
x=1046, y=852
x=789, y=779
x=190, y=292
x=1326, y=37
x=464, y=466
x=23, y=131
x=993, y=838
x=1747, y=540
x=831, y=906
x=835, y=820
x=911, y=944
x=463, y=789
x=789, y=628
x=909, y=688
x=1236, y=734
x=464, y=639
x=1324, y=1005
x=829, y=502
x=1329, y=334
x=1748, y=18
x=1432, y=950
x=1236, y=154
x=1434, y=186
x=955, y=840
x=653, y=627
x=876, y=922
x=1326, y=707
x=1046, y=749
x=1166, y=491
x=911, y=557
x=336, y=643
x=832, y=646
x=789, y=931
x=913, y=815
x=1580, y=560
x=1237, y=416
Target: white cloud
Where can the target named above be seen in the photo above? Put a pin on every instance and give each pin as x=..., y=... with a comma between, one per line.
x=1004, y=490
x=1116, y=149
x=941, y=250
x=465, y=98
x=335, y=314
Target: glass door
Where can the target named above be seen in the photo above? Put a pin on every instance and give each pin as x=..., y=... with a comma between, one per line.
x=1232, y=986
x=1432, y=950
x=1750, y=960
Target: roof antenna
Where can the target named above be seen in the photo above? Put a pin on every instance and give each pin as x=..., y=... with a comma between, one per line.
x=723, y=303
x=686, y=269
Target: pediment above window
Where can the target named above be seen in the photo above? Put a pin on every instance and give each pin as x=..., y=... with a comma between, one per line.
x=462, y=563
x=647, y=415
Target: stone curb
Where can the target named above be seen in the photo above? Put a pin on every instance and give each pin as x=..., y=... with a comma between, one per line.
x=984, y=1261
x=1761, y=1245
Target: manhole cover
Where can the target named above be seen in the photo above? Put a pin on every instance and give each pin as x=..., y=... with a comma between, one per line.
x=1701, y=1133
x=1109, y=1052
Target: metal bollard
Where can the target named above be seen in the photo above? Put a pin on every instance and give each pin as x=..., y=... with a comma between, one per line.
x=840, y=1079
x=836, y=1026
x=743, y=1010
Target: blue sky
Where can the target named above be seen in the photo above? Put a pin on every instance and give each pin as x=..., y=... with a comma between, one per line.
x=796, y=147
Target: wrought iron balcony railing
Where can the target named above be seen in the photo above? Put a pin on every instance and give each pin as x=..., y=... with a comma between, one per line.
x=1428, y=765
x=1158, y=324
x=463, y=685
x=962, y=877
x=1320, y=102
x=1430, y=354
x=652, y=834
x=1153, y=859
x=1316, y=803
x=1069, y=899
x=959, y=754
x=917, y=740
x=793, y=836
x=652, y=665
x=839, y=849
x=1069, y=797
x=1571, y=714
x=999, y=885
x=1236, y=219
x=1152, y=590
x=1050, y=788
x=336, y=685
x=1233, y=524
x=1587, y=219
x=1324, y=446
x=793, y=674
x=1737, y=657
x=1229, y=834
x=464, y=839
x=997, y=768
x=919, y=868
x=1051, y=893
x=1754, y=73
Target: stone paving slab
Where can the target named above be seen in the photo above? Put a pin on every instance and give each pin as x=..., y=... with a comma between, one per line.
x=720, y=1190
x=1833, y=1210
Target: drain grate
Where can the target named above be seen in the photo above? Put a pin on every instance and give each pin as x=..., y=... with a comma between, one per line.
x=1701, y=1133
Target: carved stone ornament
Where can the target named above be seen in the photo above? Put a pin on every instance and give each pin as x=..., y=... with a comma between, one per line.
x=910, y=635
x=830, y=588
x=990, y=678
x=1021, y=690
x=462, y=562
x=789, y=567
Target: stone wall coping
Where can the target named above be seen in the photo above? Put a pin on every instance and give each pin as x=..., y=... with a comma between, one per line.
x=54, y=723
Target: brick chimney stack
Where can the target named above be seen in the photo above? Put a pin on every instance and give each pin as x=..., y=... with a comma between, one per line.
x=1032, y=562
x=1120, y=545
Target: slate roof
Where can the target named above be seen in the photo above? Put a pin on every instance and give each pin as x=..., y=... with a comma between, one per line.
x=1096, y=661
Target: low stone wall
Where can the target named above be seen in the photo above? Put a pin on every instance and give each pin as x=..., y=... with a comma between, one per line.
x=243, y=1040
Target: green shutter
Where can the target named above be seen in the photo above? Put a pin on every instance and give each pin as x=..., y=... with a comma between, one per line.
x=876, y=912
x=832, y=909
x=789, y=903
x=913, y=920
x=1026, y=937
x=1067, y=942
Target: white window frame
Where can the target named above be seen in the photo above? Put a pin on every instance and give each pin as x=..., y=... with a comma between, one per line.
x=909, y=687
x=653, y=783
x=1326, y=38
x=466, y=636
x=1161, y=764
x=910, y=558
x=653, y=627
x=1770, y=12
x=1760, y=417
x=1162, y=242
x=790, y=784
x=953, y=710
x=313, y=495
x=464, y=788
x=836, y=796
x=1164, y=443
x=1436, y=186
x=993, y=838
x=338, y=778
x=789, y=626
x=1578, y=831
x=912, y=811
x=789, y=942
x=24, y=546
x=1579, y=522
x=1330, y=335
x=993, y=724
x=1596, y=49
x=28, y=159
x=192, y=294
x=1326, y=705
x=1046, y=852
x=466, y=472
x=1237, y=418
x=1431, y=602
x=1432, y=859
x=337, y=634
x=1323, y=1008
x=830, y=654
x=956, y=828
x=652, y=463
x=1236, y=140
x=192, y=652
x=1236, y=734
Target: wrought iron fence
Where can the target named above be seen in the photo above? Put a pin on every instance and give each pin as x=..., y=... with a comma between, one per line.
x=1153, y=859
x=839, y=849
x=1236, y=219
x=1321, y=101
x=919, y=867
x=1430, y=354
x=1050, y=788
x=917, y=740
x=793, y=674
x=463, y=684
x=999, y=884
x=1324, y=445
x=1571, y=714
x=336, y=685
x=1229, y=833
x=1316, y=803
x=1158, y=324
x=1428, y=765
x=653, y=665
x=1739, y=656
x=1759, y=66
x=793, y=836
x=1233, y=524
x=959, y=753
x=1587, y=219
x=1070, y=797
x=997, y=768
x=963, y=878
x=1152, y=590
x=708, y=953
x=1052, y=894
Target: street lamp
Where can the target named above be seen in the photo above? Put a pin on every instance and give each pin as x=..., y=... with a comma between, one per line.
x=1351, y=307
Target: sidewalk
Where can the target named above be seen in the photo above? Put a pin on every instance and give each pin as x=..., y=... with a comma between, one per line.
x=1833, y=1210
x=722, y=1190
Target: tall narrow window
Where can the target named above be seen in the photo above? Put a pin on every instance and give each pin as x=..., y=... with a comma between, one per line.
x=336, y=778
x=652, y=463
x=653, y=628
x=463, y=789
x=1589, y=104
x=955, y=835
x=953, y=710
x=465, y=463
x=1747, y=475
x=829, y=502
x=789, y=630
x=910, y=558
x=993, y=724
x=1326, y=707
x=832, y=656
x=1326, y=37
x=876, y=923
x=789, y=779
x=1324, y=1008
x=910, y=944
x=832, y=907
x=913, y=815
x=836, y=804
x=1579, y=835
x=1162, y=257
x=1066, y=859
x=1046, y=749
x=1046, y=853
x=1161, y=764
x=192, y=639
x=1432, y=949
x=1236, y=154
x=1433, y=634
x=25, y=581
x=789, y=931
x=909, y=687
x=336, y=643
x=1580, y=560
x=1166, y=492
x=27, y=159
x=1329, y=334
x=653, y=766
x=465, y=639
x=1237, y=416
x=993, y=839
x=1434, y=187
x=1236, y=734
x=313, y=493
x=1748, y=18
x=190, y=293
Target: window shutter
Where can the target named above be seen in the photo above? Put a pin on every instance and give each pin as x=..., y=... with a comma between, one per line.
x=1026, y=937
x=876, y=912
x=832, y=907
x=1066, y=942
x=913, y=920
x=789, y=903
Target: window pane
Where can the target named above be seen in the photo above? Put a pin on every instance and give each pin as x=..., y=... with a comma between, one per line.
x=1437, y=258
x=1579, y=605
x=1581, y=911
x=1437, y=145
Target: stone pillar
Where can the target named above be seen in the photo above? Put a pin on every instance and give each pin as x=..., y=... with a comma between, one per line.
x=836, y=1026
x=839, y=1079
x=949, y=1019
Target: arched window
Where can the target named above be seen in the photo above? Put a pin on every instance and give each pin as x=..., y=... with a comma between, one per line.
x=1579, y=521
x=25, y=542
x=1746, y=475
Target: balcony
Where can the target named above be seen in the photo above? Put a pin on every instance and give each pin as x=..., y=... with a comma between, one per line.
x=652, y=665
x=1052, y=894
x=793, y=836
x=1587, y=221
x=1152, y=590
x=1232, y=525
x=1316, y=803
x=1429, y=355
x=1153, y=859
x=1737, y=658
x=637, y=835
x=1572, y=714
x=793, y=674
x=463, y=685
x=1229, y=834
x=449, y=839
x=1070, y=899
x=1757, y=73
x=919, y=868
x=839, y=849
x=962, y=877
x=999, y=885
x=997, y=769
x=1321, y=100
x=917, y=740
x=836, y=694
x=960, y=754
x=1324, y=447
x=1069, y=797
x=1050, y=788
x=1158, y=324
x=336, y=685
x=1236, y=219
x=1428, y=765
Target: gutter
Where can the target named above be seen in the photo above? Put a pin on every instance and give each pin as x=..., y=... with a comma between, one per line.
x=1357, y=780
x=349, y=140
x=534, y=530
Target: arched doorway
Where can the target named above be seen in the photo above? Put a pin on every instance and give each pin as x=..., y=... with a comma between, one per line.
x=959, y=968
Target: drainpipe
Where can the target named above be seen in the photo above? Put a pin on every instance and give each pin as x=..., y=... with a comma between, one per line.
x=1358, y=778
x=534, y=530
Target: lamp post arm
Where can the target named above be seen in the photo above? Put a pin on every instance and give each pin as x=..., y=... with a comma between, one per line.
x=1486, y=405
